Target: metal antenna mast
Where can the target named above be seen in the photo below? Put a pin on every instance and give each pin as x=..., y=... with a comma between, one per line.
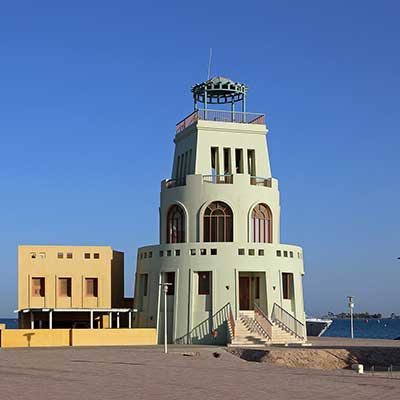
x=209, y=64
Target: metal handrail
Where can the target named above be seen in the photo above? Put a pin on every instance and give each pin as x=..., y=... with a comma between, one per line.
x=263, y=320
x=260, y=181
x=209, y=326
x=171, y=183
x=218, y=179
x=288, y=321
x=220, y=116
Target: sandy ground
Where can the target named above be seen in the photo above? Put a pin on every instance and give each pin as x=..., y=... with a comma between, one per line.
x=147, y=373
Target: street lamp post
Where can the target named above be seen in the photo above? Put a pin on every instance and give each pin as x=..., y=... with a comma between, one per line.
x=351, y=307
x=165, y=290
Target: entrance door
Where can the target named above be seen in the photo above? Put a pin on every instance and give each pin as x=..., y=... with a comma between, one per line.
x=244, y=293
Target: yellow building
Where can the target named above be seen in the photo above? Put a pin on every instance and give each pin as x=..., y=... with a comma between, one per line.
x=72, y=286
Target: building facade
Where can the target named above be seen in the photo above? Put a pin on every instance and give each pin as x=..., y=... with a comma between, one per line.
x=71, y=286
x=219, y=228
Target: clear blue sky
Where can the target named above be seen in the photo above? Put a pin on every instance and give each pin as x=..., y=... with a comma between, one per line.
x=90, y=92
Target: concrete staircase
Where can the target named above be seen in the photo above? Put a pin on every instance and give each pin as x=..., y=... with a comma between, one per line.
x=249, y=333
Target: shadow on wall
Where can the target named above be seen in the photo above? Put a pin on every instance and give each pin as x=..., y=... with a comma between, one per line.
x=212, y=331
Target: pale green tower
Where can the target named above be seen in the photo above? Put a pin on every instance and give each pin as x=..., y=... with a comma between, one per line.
x=220, y=233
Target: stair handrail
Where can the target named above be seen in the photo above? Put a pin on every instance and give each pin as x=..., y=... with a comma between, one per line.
x=288, y=321
x=232, y=325
x=208, y=325
x=263, y=321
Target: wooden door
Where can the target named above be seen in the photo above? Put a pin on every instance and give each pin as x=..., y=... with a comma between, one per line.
x=244, y=293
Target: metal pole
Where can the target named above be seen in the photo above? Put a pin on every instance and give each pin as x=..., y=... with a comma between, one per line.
x=351, y=306
x=118, y=319
x=165, y=320
x=50, y=319
x=130, y=320
x=110, y=319
x=32, y=321
x=91, y=319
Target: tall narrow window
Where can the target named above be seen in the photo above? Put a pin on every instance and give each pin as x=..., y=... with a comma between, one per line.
x=218, y=223
x=175, y=225
x=91, y=287
x=185, y=168
x=144, y=281
x=170, y=278
x=189, y=171
x=38, y=288
x=287, y=285
x=181, y=167
x=64, y=287
x=214, y=161
x=251, y=162
x=261, y=224
x=178, y=164
x=204, y=282
x=227, y=161
x=239, y=161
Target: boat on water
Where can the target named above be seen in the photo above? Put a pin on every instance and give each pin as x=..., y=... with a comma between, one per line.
x=317, y=326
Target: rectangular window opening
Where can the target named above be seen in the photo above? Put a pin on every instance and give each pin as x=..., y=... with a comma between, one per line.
x=241, y=252
x=91, y=287
x=203, y=252
x=150, y=254
x=38, y=287
x=227, y=161
x=214, y=161
x=170, y=278
x=177, y=253
x=278, y=253
x=64, y=285
x=161, y=253
x=60, y=255
x=285, y=253
x=69, y=255
x=287, y=285
x=169, y=253
x=87, y=256
x=33, y=255
x=96, y=256
x=251, y=252
x=213, y=252
x=291, y=254
x=251, y=162
x=204, y=278
x=261, y=252
x=239, y=161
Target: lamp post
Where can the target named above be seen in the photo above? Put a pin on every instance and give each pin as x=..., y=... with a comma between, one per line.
x=165, y=290
x=351, y=307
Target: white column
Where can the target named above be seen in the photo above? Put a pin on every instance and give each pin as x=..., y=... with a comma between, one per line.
x=50, y=319
x=110, y=319
x=130, y=319
x=91, y=319
x=32, y=320
x=118, y=320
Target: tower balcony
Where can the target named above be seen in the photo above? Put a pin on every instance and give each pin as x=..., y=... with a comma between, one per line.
x=220, y=116
x=228, y=179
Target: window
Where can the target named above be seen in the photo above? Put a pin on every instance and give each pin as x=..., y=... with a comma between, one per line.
x=175, y=225
x=257, y=287
x=161, y=253
x=38, y=288
x=287, y=285
x=141, y=255
x=239, y=161
x=213, y=252
x=169, y=253
x=291, y=254
x=42, y=255
x=170, y=278
x=203, y=252
x=218, y=223
x=91, y=287
x=251, y=162
x=60, y=255
x=87, y=256
x=69, y=255
x=177, y=253
x=33, y=255
x=241, y=252
x=285, y=253
x=144, y=280
x=251, y=252
x=260, y=252
x=278, y=253
x=227, y=162
x=145, y=255
x=150, y=254
x=64, y=287
x=261, y=224
x=214, y=161
x=192, y=252
x=204, y=282
x=96, y=256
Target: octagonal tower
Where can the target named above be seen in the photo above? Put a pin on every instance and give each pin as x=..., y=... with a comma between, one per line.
x=220, y=243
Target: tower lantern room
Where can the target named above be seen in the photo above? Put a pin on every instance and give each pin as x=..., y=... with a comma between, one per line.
x=220, y=90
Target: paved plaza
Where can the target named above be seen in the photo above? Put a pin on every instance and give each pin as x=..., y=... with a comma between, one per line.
x=146, y=373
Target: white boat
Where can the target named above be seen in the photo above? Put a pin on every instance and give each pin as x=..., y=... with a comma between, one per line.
x=317, y=326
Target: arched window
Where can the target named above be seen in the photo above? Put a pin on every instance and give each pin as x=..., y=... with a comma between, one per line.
x=218, y=223
x=175, y=225
x=261, y=224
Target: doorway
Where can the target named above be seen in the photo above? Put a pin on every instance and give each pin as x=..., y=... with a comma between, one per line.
x=252, y=290
x=244, y=293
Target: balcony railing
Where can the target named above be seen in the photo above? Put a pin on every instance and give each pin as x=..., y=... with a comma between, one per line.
x=221, y=116
x=258, y=181
x=222, y=179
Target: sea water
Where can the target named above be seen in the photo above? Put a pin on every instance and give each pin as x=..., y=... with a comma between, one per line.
x=365, y=328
